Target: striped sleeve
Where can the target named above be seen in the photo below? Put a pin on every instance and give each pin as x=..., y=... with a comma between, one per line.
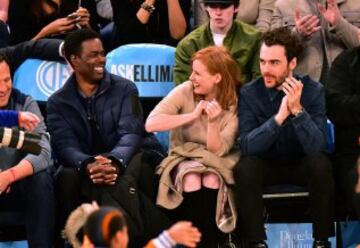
x=162, y=241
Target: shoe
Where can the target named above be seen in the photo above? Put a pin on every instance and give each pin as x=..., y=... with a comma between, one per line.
x=261, y=244
x=227, y=244
x=229, y=241
x=321, y=244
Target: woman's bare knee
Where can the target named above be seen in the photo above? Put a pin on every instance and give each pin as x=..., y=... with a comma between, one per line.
x=191, y=182
x=211, y=180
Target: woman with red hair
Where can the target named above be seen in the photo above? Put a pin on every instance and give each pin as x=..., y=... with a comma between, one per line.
x=202, y=118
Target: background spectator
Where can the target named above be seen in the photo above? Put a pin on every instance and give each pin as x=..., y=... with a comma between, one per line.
x=150, y=21
x=254, y=12
x=343, y=109
x=4, y=6
x=46, y=49
x=35, y=19
x=4, y=29
x=104, y=9
x=241, y=40
x=324, y=30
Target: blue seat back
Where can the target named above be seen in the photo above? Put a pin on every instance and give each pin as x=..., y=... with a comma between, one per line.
x=150, y=66
x=40, y=78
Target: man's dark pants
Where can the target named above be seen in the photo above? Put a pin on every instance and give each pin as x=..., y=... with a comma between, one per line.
x=35, y=196
x=74, y=187
x=252, y=174
x=346, y=179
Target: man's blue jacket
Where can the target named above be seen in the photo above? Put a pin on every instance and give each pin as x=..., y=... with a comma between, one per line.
x=118, y=116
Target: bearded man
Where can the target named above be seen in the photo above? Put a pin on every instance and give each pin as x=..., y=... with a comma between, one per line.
x=282, y=138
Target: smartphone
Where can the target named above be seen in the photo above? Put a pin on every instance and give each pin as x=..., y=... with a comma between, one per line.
x=72, y=16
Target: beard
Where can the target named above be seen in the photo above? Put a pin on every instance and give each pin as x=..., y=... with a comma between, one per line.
x=279, y=80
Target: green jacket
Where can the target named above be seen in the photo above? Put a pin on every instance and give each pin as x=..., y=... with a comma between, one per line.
x=242, y=41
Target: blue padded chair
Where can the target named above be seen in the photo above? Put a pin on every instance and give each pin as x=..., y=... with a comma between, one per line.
x=150, y=66
x=40, y=78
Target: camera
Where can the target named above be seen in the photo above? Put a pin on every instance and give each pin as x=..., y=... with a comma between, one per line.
x=20, y=140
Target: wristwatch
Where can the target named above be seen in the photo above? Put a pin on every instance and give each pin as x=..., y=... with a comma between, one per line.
x=299, y=112
x=149, y=8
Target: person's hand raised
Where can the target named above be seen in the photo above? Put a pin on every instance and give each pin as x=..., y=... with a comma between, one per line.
x=331, y=13
x=306, y=25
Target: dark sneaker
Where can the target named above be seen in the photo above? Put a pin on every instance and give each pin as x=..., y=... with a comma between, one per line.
x=261, y=244
x=321, y=244
x=229, y=241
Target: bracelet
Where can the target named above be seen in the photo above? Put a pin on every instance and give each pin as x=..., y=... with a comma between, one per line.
x=12, y=172
x=149, y=8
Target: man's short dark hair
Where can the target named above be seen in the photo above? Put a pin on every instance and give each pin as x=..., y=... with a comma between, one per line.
x=74, y=40
x=4, y=58
x=284, y=37
x=220, y=2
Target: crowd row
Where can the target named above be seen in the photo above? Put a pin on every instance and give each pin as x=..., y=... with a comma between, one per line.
x=277, y=122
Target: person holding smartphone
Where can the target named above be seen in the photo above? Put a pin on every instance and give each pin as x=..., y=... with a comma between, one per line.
x=150, y=21
x=282, y=139
x=36, y=19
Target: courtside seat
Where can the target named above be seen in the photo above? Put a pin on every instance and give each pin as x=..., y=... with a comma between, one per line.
x=40, y=78
x=150, y=67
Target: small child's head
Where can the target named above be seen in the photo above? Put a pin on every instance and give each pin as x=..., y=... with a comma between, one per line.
x=106, y=227
x=73, y=230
